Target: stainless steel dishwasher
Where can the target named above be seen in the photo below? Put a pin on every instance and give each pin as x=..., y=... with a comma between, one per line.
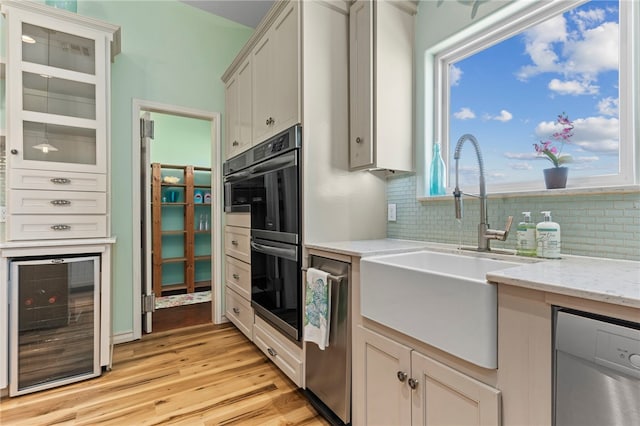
x=596, y=370
x=328, y=371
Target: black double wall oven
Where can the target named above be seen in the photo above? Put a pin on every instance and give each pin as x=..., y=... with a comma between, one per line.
x=265, y=181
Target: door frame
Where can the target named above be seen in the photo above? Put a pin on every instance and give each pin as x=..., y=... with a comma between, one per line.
x=139, y=106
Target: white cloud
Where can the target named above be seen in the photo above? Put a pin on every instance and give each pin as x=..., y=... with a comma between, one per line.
x=521, y=166
x=539, y=41
x=588, y=18
x=609, y=106
x=572, y=87
x=584, y=53
x=593, y=134
x=464, y=114
x=586, y=160
x=503, y=117
x=455, y=74
x=596, y=51
x=521, y=155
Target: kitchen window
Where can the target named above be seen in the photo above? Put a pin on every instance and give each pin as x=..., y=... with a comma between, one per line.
x=506, y=82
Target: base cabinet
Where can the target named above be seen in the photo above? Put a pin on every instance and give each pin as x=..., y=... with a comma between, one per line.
x=395, y=384
x=237, y=252
x=284, y=353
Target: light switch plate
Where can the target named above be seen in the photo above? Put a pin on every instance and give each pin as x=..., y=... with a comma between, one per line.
x=391, y=212
x=3, y=214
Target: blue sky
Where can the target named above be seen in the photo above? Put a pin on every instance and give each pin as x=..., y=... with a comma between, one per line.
x=509, y=96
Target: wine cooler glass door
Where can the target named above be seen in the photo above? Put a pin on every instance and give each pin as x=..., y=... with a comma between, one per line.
x=55, y=315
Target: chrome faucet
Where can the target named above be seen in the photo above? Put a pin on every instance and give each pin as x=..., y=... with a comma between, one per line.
x=485, y=234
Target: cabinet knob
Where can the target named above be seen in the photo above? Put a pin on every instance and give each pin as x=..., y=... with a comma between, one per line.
x=236, y=276
x=402, y=376
x=413, y=383
x=14, y=151
x=236, y=310
x=235, y=143
x=358, y=140
x=234, y=242
x=272, y=352
x=270, y=121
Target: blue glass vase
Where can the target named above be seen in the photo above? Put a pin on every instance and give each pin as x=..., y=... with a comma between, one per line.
x=438, y=182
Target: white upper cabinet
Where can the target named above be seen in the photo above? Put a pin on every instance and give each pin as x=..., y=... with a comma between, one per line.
x=276, y=76
x=57, y=100
x=381, y=85
x=238, y=97
x=58, y=109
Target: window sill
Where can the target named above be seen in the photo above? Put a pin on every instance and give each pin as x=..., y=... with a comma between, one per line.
x=620, y=189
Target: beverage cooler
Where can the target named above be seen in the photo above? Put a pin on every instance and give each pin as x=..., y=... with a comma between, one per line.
x=54, y=321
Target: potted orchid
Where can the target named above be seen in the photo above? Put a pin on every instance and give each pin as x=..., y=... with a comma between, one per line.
x=556, y=177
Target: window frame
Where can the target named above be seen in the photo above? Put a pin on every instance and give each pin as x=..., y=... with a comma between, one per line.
x=503, y=24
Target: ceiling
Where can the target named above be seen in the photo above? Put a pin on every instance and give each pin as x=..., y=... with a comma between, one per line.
x=245, y=12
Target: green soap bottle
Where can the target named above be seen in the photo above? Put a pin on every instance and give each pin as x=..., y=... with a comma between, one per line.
x=526, y=236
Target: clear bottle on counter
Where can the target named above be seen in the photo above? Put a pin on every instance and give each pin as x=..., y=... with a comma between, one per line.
x=438, y=181
x=526, y=236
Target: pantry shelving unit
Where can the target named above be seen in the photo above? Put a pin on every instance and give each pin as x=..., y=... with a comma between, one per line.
x=181, y=233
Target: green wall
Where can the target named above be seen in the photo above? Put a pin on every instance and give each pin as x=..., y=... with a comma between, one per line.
x=174, y=54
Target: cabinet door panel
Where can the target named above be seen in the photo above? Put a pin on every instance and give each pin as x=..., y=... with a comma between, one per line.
x=446, y=396
x=244, y=113
x=262, y=84
x=286, y=72
x=361, y=146
x=385, y=400
x=231, y=107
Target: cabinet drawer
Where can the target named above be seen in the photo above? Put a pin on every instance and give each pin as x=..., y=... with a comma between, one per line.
x=238, y=277
x=239, y=311
x=56, y=202
x=57, y=181
x=236, y=243
x=284, y=353
x=243, y=220
x=51, y=227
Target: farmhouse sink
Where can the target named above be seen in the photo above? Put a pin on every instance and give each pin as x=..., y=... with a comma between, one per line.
x=441, y=299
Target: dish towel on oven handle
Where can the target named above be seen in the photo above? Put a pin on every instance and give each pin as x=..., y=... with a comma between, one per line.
x=317, y=308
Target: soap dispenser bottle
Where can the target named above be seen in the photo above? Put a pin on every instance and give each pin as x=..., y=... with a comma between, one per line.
x=526, y=236
x=438, y=181
x=548, y=238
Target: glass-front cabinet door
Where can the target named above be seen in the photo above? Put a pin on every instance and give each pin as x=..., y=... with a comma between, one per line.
x=58, y=91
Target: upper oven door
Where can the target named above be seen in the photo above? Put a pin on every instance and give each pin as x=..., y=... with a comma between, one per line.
x=274, y=198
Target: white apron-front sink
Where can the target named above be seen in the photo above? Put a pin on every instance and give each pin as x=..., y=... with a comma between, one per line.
x=441, y=299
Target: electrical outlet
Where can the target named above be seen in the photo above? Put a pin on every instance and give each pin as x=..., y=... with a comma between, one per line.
x=391, y=212
x=3, y=214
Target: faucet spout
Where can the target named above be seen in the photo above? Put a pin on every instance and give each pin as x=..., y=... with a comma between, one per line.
x=485, y=234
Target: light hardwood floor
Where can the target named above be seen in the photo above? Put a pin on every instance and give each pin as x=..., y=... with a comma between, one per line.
x=202, y=375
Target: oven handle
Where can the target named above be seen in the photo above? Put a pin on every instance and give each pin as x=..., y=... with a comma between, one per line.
x=237, y=176
x=287, y=253
x=282, y=161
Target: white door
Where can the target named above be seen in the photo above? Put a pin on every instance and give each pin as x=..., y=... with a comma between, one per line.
x=146, y=135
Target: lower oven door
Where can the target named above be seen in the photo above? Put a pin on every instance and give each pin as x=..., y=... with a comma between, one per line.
x=275, y=284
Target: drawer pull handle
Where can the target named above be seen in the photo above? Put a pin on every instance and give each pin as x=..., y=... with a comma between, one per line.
x=272, y=352
x=413, y=383
x=235, y=143
x=14, y=151
x=234, y=242
x=60, y=180
x=236, y=276
x=236, y=310
x=60, y=202
x=60, y=227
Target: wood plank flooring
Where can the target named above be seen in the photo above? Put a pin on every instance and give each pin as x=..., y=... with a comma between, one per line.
x=201, y=375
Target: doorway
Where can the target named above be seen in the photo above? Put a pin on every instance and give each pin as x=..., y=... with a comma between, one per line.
x=178, y=237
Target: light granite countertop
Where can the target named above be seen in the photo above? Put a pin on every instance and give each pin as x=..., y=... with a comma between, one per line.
x=600, y=279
